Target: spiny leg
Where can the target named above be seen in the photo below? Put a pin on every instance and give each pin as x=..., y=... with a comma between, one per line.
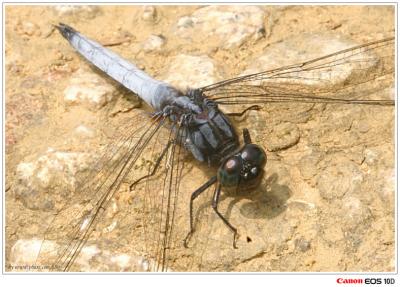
x=156, y=166
x=251, y=108
x=194, y=195
x=215, y=201
x=246, y=136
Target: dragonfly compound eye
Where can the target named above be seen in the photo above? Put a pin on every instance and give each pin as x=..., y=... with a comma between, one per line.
x=230, y=170
x=254, y=155
x=253, y=161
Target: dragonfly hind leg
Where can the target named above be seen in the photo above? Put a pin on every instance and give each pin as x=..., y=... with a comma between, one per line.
x=164, y=152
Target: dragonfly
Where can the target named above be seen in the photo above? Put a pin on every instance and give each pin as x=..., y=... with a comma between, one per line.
x=188, y=127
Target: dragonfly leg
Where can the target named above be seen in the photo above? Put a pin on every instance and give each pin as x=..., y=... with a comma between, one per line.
x=246, y=136
x=156, y=166
x=194, y=195
x=251, y=108
x=215, y=201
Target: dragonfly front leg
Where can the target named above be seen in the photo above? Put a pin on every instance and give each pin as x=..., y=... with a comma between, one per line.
x=251, y=108
x=215, y=201
x=194, y=195
x=246, y=136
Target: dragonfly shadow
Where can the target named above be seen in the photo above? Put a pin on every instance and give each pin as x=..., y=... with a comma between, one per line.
x=268, y=201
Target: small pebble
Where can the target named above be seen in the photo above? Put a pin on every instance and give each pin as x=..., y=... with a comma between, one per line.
x=153, y=43
x=303, y=244
x=149, y=14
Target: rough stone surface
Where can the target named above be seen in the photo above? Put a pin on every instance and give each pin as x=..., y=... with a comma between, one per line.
x=149, y=14
x=89, y=11
x=233, y=25
x=337, y=180
x=297, y=51
x=186, y=71
x=24, y=253
x=89, y=90
x=285, y=135
x=153, y=43
x=54, y=169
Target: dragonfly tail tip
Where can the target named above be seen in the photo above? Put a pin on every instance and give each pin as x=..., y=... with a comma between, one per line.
x=65, y=30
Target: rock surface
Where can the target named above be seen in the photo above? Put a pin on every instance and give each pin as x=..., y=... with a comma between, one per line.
x=232, y=25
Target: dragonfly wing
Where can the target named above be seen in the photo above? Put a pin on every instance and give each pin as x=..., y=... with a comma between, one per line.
x=340, y=77
x=162, y=204
x=90, y=214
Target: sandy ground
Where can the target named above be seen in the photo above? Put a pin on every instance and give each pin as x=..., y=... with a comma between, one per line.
x=329, y=196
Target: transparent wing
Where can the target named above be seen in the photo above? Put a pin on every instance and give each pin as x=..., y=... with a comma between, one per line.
x=336, y=78
x=162, y=199
x=124, y=189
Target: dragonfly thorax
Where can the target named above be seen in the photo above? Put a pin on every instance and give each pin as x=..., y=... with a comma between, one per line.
x=209, y=135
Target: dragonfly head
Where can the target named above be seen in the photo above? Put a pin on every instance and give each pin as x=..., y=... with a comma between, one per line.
x=243, y=169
